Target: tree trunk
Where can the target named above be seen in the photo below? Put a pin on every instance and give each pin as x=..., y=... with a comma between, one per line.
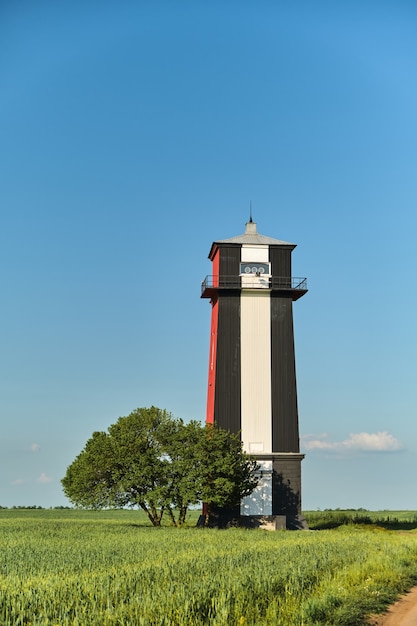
x=182, y=515
x=153, y=516
x=172, y=516
x=208, y=513
x=157, y=516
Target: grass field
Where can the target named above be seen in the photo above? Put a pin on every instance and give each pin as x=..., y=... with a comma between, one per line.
x=81, y=568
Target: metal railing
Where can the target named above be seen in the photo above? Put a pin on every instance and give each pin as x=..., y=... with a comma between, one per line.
x=253, y=281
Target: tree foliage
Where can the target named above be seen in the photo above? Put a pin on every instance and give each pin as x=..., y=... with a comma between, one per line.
x=154, y=461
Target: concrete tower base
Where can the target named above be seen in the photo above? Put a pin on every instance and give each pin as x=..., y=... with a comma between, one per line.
x=275, y=503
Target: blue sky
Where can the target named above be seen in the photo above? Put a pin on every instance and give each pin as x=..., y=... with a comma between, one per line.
x=133, y=134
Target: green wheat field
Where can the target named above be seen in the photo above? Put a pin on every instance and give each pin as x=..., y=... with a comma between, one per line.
x=70, y=567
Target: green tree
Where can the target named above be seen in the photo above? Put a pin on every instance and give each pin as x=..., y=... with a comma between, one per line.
x=208, y=465
x=227, y=474
x=88, y=482
x=151, y=460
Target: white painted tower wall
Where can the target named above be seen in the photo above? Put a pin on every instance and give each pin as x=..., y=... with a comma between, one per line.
x=256, y=406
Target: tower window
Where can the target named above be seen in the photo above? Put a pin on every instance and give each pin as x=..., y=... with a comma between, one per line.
x=255, y=268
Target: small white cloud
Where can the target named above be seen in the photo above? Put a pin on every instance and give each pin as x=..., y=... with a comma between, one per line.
x=18, y=481
x=44, y=478
x=317, y=442
x=374, y=442
x=35, y=447
x=362, y=442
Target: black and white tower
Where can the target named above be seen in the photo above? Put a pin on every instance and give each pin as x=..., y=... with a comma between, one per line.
x=252, y=382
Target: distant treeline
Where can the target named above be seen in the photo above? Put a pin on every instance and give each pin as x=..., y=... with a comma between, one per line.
x=34, y=506
x=333, y=518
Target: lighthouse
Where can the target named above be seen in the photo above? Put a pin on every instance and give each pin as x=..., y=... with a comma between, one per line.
x=252, y=380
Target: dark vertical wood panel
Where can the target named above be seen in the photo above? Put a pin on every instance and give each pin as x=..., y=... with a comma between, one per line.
x=227, y=399
x=229, y=260
x=285, y=437
x=280, y=259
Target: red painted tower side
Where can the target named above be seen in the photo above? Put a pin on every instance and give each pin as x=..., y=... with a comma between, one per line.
x=211, y=391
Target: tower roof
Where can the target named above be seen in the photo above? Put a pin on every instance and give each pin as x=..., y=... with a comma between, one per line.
x=251, y=236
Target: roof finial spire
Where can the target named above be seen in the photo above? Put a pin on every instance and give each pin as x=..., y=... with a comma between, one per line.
x=250, y=226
